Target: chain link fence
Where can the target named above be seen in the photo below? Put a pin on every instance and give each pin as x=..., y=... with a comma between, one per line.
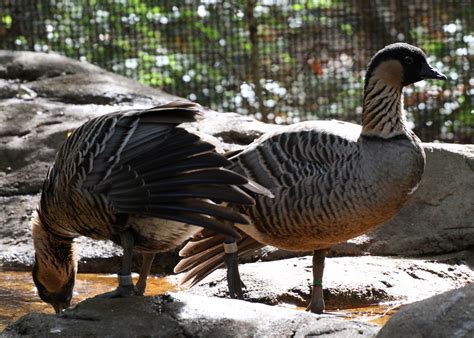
x=279, y=60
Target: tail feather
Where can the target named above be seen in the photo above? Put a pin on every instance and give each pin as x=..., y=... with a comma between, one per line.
x=195, y=246
x=208, y=263
x=204, y=254
x=189, y=264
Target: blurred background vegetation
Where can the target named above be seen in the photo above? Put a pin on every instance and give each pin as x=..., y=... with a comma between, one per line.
x=281, y=61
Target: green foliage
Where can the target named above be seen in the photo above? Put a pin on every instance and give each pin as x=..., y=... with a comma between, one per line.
x=309, y=53
x=7, y=21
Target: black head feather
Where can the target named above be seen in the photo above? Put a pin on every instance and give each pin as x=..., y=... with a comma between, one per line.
x=413, y=60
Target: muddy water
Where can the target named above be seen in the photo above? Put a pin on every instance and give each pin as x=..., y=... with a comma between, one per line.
x=18, y=296
x=375, y=314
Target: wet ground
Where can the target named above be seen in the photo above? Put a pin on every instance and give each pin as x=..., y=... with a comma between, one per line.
x=375, y=314
x=18, y=296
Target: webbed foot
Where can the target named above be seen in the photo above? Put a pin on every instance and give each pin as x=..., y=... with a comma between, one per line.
x=316, y=305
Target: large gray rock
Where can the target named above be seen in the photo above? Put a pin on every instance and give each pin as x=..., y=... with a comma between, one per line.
x=450, y=314
x=29, y=66
x=179, y=315
x=348, y=281
x=232, y=129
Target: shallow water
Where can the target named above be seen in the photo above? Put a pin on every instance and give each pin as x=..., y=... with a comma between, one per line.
x=375, y=314
x=18, y=296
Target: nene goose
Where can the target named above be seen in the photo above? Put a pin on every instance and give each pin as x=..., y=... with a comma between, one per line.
x=331, y=180
x=136, y=178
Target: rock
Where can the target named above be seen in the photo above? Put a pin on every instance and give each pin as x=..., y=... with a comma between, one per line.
x=179, y=315
x=7, y=88
x=348, y=281
x=450, y=314
x=16, y=249
x=232, y=128
x=29, y=66
x=100, y=89
x=469, y=257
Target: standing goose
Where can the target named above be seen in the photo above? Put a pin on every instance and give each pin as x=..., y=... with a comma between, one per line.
x=136, y=178
x=331, y=180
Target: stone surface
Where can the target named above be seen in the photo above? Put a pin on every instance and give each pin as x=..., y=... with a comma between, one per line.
x=231, y=128
x=179, y=315
x=348, y=281
x=450, y=314
x=29, y=66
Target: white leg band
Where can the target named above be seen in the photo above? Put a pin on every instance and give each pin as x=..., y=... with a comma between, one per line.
x=125, y=280
x=230, y=248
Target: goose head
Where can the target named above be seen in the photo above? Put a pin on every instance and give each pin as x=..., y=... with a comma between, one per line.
x=393, y=67
x=53, y=289
x=399, y=65
x=55, y=267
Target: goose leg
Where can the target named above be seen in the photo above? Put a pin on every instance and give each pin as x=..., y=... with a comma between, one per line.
x=144, y=271
x=126, y=287
x=316, y=304
x=232, y=264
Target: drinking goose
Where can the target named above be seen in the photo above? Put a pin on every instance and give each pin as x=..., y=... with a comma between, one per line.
x=136, y=178
x=332, y=180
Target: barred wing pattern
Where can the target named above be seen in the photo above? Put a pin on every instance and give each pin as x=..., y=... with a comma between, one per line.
x=281, y=158
x=299, y=164
x=287, y=162
x=139, y=162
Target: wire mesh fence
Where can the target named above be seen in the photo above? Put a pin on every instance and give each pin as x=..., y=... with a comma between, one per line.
x=278, y=60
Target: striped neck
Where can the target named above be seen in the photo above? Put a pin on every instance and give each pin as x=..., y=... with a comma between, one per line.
x=383, y=114
x=55, y=257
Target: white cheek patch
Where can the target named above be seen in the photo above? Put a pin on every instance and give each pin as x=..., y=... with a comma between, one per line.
x=390, y=72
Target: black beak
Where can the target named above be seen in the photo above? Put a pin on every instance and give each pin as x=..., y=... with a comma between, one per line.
x=58, y=307
x=428, y=72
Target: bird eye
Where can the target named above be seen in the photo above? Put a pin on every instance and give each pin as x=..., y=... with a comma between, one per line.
x=408, y=60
